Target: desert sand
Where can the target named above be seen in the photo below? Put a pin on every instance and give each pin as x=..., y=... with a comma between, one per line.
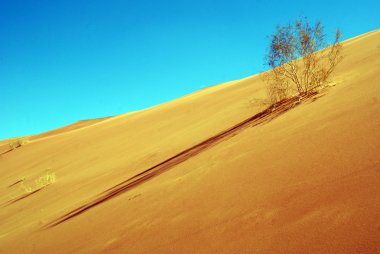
x=208, y=173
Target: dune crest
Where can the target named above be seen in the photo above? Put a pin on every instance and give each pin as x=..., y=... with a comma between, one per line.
x=208, y=173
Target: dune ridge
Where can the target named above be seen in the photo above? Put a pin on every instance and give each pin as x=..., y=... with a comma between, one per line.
x=303, y=180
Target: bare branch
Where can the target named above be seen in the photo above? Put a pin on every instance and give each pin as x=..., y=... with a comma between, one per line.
x=291, y=43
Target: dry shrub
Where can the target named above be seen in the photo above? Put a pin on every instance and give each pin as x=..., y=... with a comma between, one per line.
x=301, y=59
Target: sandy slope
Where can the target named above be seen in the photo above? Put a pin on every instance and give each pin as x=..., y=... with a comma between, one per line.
x=307, y=181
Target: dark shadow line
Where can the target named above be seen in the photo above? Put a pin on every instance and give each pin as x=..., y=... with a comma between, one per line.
x=13, y=184
x=264, y=116
x=21, y=198
x=10, y=150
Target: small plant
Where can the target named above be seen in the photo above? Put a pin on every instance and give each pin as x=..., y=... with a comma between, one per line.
x=23, y=141
x=19, y=142
x=26, y=188
x=40, y=183
x=21, y=179
x=45, y=180
x=13, y=145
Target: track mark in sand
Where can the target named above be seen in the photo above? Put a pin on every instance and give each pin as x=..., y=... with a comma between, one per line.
x=261, y=117
x=17, y=182
x=8, y=151
x=21, y=197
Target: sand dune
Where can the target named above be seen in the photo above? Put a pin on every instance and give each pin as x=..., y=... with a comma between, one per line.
x=208, y=173
x=68, y=128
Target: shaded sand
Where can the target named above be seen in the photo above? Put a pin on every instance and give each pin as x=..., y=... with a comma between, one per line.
x=209, y=173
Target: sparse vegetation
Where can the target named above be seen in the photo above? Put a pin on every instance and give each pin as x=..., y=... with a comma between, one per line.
x=45, y=180
x=18, y=143
x=291, y=75
x=39, y=183
x=13, y=145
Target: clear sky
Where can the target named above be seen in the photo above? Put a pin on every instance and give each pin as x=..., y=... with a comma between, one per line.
x=66, y=60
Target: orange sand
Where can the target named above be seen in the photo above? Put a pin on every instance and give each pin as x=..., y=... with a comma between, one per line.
x=162, y=180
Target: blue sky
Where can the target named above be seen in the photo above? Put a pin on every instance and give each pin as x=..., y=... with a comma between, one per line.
x=68, y=60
